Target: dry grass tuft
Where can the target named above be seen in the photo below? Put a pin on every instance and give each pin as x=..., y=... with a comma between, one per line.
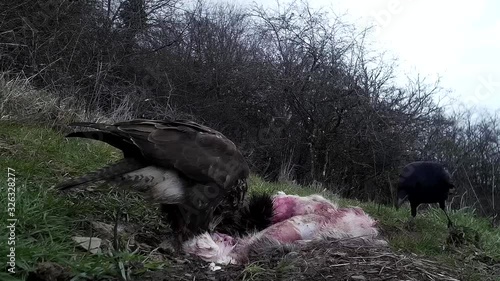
x=22, y=103
x=349, y=260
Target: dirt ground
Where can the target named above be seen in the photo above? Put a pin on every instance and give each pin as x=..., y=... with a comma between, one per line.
x=320, y=261
x=324, y=260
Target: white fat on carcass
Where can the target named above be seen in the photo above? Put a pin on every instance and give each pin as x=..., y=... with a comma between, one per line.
x=287, y=206
x=210, y=248
x=319, y=222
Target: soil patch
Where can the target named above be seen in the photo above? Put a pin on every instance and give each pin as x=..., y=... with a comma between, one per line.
x=348, y=259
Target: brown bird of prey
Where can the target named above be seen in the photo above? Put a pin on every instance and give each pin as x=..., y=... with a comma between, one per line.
x=194, y=172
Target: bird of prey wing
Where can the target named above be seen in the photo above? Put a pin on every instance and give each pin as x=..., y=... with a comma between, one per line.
x=173, y=161
x=198, y=152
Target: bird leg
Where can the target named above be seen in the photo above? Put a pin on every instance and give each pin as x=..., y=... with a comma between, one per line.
x=450, y=224
x=411, y=221
x=442, y=206
x=410, y=224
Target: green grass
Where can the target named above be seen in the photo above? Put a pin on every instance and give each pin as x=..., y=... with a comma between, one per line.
x=46, y=220
x=428, y=238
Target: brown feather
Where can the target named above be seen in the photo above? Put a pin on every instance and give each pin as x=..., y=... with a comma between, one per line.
x=203, y=158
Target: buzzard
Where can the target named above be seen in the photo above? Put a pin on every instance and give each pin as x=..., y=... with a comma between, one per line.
x=194, y=172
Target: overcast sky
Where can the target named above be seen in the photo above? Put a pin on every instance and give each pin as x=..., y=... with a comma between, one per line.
x=458, y=40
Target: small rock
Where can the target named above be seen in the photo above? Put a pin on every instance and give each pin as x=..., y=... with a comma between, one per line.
x=214, y=267
x=167, y=247
x=358, y=277
x=91, y=244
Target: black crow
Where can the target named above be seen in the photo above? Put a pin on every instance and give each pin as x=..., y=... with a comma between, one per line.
x=424, y=182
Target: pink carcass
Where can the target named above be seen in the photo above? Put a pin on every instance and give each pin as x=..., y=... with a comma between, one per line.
x=295, y=220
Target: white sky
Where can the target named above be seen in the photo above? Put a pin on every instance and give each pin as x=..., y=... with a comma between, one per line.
x=457, y=40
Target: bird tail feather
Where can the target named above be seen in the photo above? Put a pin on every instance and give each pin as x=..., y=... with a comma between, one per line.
x=108, y=172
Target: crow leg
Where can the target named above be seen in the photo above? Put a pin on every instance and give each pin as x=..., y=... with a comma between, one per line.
x=411, y=221
x=442, y=206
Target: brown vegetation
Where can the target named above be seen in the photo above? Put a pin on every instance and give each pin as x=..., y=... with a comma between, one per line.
x=299, y=90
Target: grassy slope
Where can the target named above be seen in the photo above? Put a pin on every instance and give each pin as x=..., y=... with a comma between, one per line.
x=46, y=220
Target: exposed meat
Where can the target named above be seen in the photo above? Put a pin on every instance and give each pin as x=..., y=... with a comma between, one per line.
x=286, y=206
x=296, y=220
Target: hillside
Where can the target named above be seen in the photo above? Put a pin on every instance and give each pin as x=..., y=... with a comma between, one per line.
x=307, y=93
x=39, y=157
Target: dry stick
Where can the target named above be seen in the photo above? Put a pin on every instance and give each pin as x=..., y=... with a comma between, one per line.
x=116, y=245
x=473, y=190
x=493, y=186
x=90, y=236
